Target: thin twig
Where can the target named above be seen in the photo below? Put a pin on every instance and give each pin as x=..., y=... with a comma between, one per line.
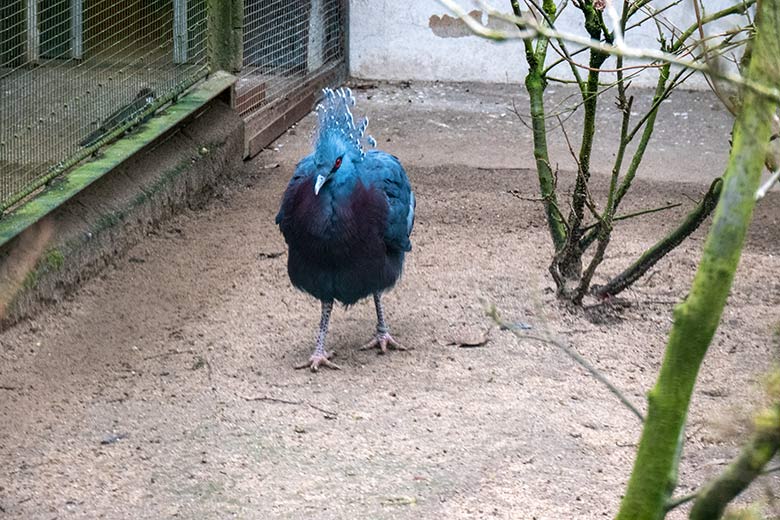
x=272, y=400
x=616, y=69
x=568, y=144
x=588, y=197
x=653, y=14
x=288, y=401
x=677, y=502
x=517, y=195
x=762, y=191
x=519, y=115
x=562, y=59
x=564, y=51
x=170, y=353
x=531, y=28
x=637, y=214
x=493, y=313
x=573, y=108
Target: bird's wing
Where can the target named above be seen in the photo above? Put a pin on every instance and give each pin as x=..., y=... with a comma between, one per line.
x=386, y=173
x=303, y=170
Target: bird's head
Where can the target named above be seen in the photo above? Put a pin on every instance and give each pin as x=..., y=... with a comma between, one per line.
x=339, y=148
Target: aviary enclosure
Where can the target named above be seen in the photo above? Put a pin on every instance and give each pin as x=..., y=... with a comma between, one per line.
x=585, y=323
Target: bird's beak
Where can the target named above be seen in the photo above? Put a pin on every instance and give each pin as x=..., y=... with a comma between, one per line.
x=318, y=184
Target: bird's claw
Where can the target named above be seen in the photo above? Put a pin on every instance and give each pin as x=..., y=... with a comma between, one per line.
x=318, y=360
x=383, y=341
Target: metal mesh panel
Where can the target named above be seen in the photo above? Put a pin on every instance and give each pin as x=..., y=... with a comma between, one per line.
x=287, y=42
x=73, y=72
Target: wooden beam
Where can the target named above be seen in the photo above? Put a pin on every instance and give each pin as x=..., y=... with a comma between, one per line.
x=72, y=182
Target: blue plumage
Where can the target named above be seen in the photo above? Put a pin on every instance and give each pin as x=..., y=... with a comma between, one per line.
x=346, y=216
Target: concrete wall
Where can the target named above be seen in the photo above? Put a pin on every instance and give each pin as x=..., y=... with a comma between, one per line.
x=418, y=40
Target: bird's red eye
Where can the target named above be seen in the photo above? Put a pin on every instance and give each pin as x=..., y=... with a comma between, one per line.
x=337, y=164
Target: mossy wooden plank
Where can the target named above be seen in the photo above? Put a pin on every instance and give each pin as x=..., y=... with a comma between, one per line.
x=81, y=176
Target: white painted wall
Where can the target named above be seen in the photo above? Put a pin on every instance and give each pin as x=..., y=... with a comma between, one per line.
x=393, y=40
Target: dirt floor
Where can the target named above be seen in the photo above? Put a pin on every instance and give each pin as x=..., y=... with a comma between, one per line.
x=164, y=388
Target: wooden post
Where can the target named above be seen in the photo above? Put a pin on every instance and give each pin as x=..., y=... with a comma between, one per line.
x=344, y=19
x=33, y=36
x=317, y=30
x=180, y=31
x=225, y=34
x=76, y=29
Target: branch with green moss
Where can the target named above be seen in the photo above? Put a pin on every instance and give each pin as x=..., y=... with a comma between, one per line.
x=650, y=257
x=535, y=84
x=697, y=318
x=567, y=263
x=712, y=500
x=649, y=122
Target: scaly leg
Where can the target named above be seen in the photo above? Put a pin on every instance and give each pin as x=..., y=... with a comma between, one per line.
x=320, y=357
x=382, y=339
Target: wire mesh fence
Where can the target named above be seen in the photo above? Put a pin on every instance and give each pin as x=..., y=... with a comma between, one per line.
x=286, y=43
x=75, y=72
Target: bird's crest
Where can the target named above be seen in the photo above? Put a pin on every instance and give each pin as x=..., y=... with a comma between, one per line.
x=336, y=122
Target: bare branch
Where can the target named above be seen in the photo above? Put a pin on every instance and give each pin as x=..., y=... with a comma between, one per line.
x=677, y=502
x=653, y=15
x=564, y=51
x=496, y=317
x=638, y=214
x=713, y=498
x=531, y=28
x=269, y=399
x=762, y=191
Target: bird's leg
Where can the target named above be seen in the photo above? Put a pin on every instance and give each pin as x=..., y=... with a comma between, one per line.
x=382, y=339
x=320, y=357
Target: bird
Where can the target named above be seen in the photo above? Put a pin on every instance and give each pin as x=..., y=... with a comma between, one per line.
x=347, y=216
x=142, y=100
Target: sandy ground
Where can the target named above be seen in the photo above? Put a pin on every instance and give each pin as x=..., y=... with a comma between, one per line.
x=164, y=388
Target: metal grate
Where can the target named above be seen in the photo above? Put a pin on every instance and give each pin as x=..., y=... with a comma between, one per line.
x=75, y=73
x=286, y=44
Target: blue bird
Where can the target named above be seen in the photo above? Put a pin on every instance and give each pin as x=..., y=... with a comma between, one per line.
x=346, y=216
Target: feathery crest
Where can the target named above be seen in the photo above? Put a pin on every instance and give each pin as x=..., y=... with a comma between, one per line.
x=336, y=121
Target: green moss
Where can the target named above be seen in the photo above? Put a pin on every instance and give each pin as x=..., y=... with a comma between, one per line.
x=108, y=220
x=752, y=512
x=54, y=260
x=82, y=175
x=31, y=280
x=165, y=180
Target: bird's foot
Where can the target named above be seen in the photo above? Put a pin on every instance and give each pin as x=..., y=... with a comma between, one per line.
x=383, y=341
x=319, y=359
